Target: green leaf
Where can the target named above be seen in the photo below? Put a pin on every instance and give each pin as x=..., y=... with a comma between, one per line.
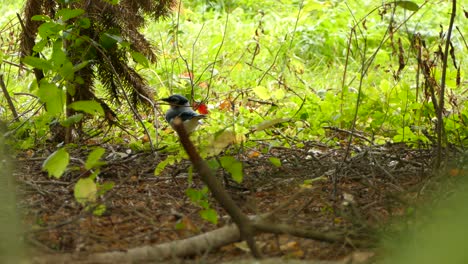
x=52, y=96
x=140, y=58
x=49, y=29
x=56, y=163
x=233, y=166
x=94, y=175
x=180, y=225
x=213, y=164
x=311, y=6
x=221, y=140
x=309, y=182
x=81, y=65
x=67, y=72
x=93, y=158
x=113, y=2
x=408, y=5
x=109, y=41
x=162, y=164
x=40, y=18
x=90, y=107
x=40, y=45
x=58, y=57
x=198, y=197
x=262, y=92
x=71, y=120
x=85, y=191
x=209, y=215
x=84, y=22
x=194, y=195
x=279, y=94
x=275, y=161
x=105, y=187
x=99, y=210
x=304, y=116
x=38, y=63
x=269, y=123
x=67, y=13
x=404, y=134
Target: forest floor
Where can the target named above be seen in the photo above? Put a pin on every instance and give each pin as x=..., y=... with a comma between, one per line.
x=373, y=188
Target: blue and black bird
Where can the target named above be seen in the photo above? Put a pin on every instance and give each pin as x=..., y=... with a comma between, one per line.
x=180, y=106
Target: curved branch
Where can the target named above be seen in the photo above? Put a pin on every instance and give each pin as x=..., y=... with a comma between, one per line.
x=206, y=175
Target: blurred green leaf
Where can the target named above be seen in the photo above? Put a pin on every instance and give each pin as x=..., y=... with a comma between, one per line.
x=221, y=140
x=99, y=210
x=67, y=71
x=210, y=215
x=80, y=65
x=198, y=197
x=93, y=158
x=262, y=92
x=171, y=159
x=194, y=194
x=84, y=22
x=140, y=59
x=66, y=13
x=38, y=63
x=40, y=18
x=72, y=120
x=408, y=5
x=90, y=107
x=49, y=29
x=213, y=164
x=275, y=161
x=56, y=163
x=109, y=41
x=105, y=187
x=113, y=2
x=180, y=225
x=233, y=166
x=39, y=46
x=52, y=96
x=58, y=57
x=269, y=123
x=85, y=191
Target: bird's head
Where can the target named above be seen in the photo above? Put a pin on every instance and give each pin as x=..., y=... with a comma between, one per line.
x=176, y=100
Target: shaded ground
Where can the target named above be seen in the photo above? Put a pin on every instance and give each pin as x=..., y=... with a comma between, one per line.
x=355, y=198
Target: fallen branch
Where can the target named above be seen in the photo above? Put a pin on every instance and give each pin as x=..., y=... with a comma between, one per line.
x=192, y=246
x=304, y=232
x=175, y=249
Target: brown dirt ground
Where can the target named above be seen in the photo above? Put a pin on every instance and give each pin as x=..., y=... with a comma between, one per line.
x=372, y=187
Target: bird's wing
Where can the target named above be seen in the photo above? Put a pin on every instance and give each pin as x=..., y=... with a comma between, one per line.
x=188, y=115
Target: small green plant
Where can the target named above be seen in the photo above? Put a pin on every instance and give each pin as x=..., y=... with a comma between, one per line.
x=200, y=198
x=86, y=190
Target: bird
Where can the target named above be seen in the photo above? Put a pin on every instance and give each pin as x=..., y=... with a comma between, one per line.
x=180, y=107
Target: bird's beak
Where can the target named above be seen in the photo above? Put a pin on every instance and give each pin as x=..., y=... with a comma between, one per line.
x=164, y=99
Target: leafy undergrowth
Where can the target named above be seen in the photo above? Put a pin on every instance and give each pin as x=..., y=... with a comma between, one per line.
x=274, y=78
x=376, y=185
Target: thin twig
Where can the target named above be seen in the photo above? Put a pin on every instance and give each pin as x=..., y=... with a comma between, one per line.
x=7, y=97
x=358, y=135
x=216, y=57
x=440, y=120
